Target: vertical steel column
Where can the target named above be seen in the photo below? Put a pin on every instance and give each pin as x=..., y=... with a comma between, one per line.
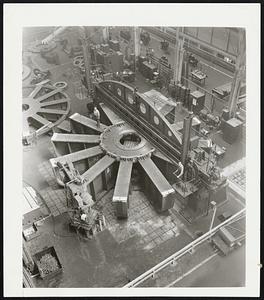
x=91, y=185
x=178, y=58
x=106, y=33
x=187, y=125
x=240, y=69
x=228, y=41
x=211, y=38
x=137, y=41
x=86, y=54
x=186, y=68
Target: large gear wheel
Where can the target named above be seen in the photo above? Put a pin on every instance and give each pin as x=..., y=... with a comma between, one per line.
x=43, y=106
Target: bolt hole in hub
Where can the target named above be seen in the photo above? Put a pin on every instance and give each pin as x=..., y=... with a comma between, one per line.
x=25, y=107
x=130, y=140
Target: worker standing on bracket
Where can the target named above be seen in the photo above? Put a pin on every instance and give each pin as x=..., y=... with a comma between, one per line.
x=134, y=94
x=97, y=116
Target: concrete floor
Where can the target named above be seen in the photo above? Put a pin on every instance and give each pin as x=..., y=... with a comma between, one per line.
x=217, y=75
x=106, y=261
x=207, y=276
x=102, y=262
x=115, y=256
x=114, y=251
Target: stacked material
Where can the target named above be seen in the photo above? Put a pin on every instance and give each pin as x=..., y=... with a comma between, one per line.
x=47, y=265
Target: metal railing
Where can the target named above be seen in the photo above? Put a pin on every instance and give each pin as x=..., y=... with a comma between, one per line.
x=188, y=248
x=27, y=279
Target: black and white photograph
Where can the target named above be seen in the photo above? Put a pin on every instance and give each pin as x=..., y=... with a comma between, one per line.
x=133, y=146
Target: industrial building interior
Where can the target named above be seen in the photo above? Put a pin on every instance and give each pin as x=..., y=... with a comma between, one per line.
x=133, y=156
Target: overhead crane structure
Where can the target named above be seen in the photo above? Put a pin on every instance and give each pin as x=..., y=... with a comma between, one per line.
x=133, y=134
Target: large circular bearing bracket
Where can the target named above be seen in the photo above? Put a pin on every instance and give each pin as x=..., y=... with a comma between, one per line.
x=122, y=142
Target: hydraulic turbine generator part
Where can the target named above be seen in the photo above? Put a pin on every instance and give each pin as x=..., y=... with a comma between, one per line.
x=134, y=134
x=43, y=107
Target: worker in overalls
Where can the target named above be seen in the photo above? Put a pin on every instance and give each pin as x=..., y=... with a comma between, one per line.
x=134, y=94
x=97, y=116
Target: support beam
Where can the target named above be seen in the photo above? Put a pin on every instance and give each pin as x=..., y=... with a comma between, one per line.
x=239, y=73
x=48, y=95
x=98, y=168
x=34, y=93
x=106, y=33
x=52, y=111
x=187, y=126
x=75, y=138
x=113, y=117
x=137, y=41
x=156, y=177
x=87, y=122
x=121, y=192
x=86, y=56
x=54, y=102
x=178, y=57
x=40, y=119
x=79, y=155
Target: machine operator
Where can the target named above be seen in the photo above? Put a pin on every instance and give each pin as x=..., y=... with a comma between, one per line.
x=97, y=116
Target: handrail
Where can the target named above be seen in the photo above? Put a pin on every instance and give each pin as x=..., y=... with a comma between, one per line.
x=180, y=253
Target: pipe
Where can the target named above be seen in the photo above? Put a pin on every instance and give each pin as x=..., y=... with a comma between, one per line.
x=181, y=170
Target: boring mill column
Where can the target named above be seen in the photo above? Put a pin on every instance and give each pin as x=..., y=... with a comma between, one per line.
x=178, y=57
x=187, y=125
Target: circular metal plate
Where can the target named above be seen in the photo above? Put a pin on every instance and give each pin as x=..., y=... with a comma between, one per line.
x=114, y=143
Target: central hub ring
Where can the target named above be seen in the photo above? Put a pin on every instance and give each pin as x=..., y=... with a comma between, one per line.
x=124, y=143
x=130, y=140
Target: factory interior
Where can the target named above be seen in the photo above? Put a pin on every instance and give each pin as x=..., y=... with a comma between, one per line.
x=134, y=146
